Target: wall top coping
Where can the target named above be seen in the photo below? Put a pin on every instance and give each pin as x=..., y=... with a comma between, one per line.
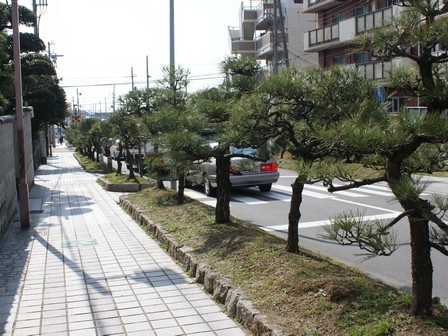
x=10, y=118
x=7, y=119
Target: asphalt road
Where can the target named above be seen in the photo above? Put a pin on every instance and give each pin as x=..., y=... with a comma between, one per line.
x=270, y=210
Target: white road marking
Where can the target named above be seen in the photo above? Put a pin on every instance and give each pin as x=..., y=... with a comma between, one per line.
x=305, y=192
x=284, y=227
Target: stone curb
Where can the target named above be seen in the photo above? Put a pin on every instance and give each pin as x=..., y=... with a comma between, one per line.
x=219, y=288
x=122, y=187
x=85, y=167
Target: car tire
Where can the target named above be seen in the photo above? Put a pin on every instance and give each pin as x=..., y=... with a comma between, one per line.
x=187, y=183
x=265, y=187
x=209, y=190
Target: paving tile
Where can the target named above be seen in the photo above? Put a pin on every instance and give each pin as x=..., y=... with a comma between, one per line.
x=193, y=329
x=137, y=327
x=110, y=330
x=130, y=312
x=54, y=328
x=166, y=323
x=79, y=318
x=184, y=312
x=87, y=326
x=169, y=331
x=88, y=269
x=222, y=324
x=159, y=316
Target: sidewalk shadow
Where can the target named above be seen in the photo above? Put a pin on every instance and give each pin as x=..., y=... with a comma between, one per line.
x=15, y=256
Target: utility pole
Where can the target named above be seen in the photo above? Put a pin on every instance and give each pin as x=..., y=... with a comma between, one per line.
x=41, y=4
x=275, y=42
x=172, y=61
x=78, y=113
x=52, y=56
x=284, y=39
x=132, y=78
x=113, y=99
x=147, y=73
x=24, y=201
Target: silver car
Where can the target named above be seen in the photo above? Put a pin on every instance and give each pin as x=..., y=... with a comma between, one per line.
x=244, y=172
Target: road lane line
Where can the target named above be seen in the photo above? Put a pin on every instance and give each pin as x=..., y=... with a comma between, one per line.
x=305, y=192
x=248, y=200
x=284, y=227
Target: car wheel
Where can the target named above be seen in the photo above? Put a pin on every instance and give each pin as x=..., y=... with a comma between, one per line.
x=265, y=187
x=187, y=182
x=209, y=190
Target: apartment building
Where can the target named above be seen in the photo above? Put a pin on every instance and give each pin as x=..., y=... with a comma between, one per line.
x=273, y=32
x=338, y=23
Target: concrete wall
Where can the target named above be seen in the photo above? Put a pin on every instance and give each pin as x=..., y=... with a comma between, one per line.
x=9, y=166
x=8, y=192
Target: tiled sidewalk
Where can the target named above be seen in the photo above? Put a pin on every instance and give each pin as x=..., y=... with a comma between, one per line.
x=86, y=268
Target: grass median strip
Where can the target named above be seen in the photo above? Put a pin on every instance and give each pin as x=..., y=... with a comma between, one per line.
x=300, y=294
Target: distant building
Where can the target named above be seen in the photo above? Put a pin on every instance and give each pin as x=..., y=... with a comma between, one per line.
x=338, y=23
x=100, y=115
x=264, y=28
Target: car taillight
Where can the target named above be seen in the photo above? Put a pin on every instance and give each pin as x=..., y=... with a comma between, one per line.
x=269, y=167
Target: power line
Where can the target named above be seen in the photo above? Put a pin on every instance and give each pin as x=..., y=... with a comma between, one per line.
x=192, y=78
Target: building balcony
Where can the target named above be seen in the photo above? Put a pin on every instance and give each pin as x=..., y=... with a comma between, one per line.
x=248, y=19
x=264, y=45
x=379, y=70
x=240, y=45
x=376, y=70
x=346, y=30
x=315, y=6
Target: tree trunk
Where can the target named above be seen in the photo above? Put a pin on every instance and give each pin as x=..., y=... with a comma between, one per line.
x=294, y=215
x=119, y=164
x=97, y=146
x=222, y=212
x=130, y=162
x=421, y=263
x=158, y=171
x=180, y=188
x=159, y=181
x=421, y=266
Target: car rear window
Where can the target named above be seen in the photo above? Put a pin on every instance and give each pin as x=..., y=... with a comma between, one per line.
x=244, y=151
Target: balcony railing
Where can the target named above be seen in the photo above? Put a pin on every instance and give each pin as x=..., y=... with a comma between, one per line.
x=242, y=46
x=323, y=35
x=352, y=26
x=376, y=70
x=265, y=44
x=373, y=20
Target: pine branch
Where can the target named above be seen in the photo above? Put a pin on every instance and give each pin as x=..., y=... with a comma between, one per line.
x=355, y=184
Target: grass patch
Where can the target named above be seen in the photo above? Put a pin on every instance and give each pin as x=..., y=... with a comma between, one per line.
x=123, y=178
x=88, y=164
x=303, y=294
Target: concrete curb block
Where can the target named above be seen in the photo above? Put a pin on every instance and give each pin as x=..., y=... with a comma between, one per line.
x=85, y=167
x=219, y=288
x=122, y=187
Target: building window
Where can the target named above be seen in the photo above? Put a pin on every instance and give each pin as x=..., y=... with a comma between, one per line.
x=338, y=17
x=392, y=2
x=396, y=103
x=361, y=10
x=341, y=59
x=361, y=58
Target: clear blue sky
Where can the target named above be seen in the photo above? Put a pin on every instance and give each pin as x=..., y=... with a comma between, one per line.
x=101, y=41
